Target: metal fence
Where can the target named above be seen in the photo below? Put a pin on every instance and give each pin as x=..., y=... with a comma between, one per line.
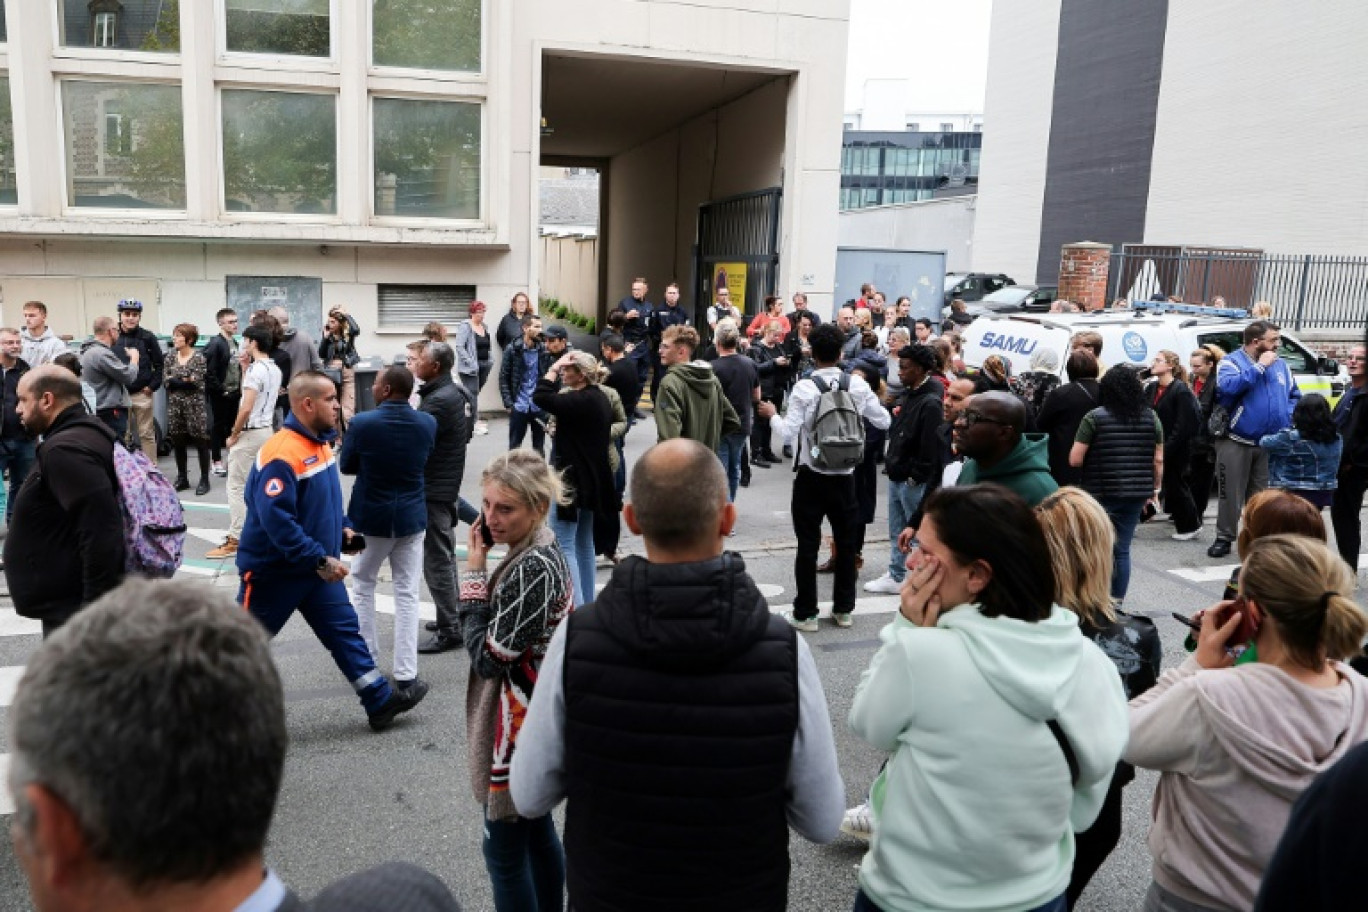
x=1306, y=292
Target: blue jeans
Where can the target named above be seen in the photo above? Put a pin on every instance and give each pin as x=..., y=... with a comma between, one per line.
x=864, y=904
x=731, y=450
x=903, y=499
x=17, y=456
x=526, y=864
x=1124, y=513
x=576, y=540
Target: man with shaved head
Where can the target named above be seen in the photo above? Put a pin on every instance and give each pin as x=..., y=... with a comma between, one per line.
x=289, y=556
x=990, y=432
x=65, y=546
x=698, y=807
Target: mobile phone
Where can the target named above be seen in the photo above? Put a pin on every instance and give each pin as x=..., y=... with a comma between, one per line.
x=356, y=545
x=485, y=535
x=1189, y=622
x=1249, y=621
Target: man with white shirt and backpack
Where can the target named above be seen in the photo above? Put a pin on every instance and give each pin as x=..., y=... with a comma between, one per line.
x=825, y=417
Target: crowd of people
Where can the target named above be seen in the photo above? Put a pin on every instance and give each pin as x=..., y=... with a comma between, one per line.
x=683, y=724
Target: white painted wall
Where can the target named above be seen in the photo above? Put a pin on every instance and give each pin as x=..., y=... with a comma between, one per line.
x=1021, y=63
x=1262, y=127
x=944, y=224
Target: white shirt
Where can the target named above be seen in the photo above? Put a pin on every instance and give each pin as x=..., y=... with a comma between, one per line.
x=264, y=377
x=802, y=408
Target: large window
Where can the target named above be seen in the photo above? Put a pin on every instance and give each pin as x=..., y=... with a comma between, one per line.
x=427, y=159
x=297, y=27
x=279, y=152
x=426, y=34
x=127, y=25
x=8, y=195
x=2, y=23
x=124, y=145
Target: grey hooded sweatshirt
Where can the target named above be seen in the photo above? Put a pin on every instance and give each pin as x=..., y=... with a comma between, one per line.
x=39, y=350
x=1236, y=747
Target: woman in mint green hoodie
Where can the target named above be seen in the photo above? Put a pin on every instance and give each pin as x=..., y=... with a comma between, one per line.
x=1003, y=721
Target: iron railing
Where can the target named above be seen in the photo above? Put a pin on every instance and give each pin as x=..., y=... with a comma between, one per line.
x=1306, y=292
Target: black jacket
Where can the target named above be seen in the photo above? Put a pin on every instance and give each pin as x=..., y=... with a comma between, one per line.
x=448, y=402
x=913, y=447
x=333, y=348
x=945, y=454
x=774, y=378
x=583, y=422
x=1060, y=415
x=1355, y=431
x=1120, y=460
x=11, y=428
x=1206, y=400
x=1179, y=413
x=622, y=377
x=150, y=357
x=681, y=706
x=512, y=369
x=65, y=547
x=217, y=356
x=509, y=330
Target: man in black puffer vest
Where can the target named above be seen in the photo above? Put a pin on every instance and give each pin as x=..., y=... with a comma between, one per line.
x=682, y=721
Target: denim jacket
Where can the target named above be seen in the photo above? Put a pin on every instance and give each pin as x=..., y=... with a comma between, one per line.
x=1301, y=465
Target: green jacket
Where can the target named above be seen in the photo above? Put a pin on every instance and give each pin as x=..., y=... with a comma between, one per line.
x=691, y=403
x=1025, y=470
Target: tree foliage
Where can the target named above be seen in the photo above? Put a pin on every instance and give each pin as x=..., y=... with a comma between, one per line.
x=280, y=144
x=427, y=34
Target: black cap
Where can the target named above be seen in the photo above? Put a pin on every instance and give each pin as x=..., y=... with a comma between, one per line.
x=555, y=331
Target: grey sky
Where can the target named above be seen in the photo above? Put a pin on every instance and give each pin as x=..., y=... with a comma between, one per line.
x=941, y=47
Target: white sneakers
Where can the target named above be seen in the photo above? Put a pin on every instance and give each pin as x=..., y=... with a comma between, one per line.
x=1186, y=536
x=808, y=625
x=885, y=584
x=858, y=822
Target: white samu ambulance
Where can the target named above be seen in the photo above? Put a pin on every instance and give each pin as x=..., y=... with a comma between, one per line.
x=1136, y=336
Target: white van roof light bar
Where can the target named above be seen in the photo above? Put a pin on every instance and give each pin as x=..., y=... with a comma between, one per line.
x=1163, y=307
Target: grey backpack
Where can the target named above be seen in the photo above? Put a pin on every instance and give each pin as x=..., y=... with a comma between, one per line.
x=837, y=437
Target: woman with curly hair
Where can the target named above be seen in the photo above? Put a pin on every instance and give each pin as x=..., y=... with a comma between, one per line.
x=1120, y=448
x=995, y=376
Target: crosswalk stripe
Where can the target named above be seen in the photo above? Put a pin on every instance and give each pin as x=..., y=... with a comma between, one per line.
x=11, y=624
x=1221, y=572
x=9, y=680
x=6, y=804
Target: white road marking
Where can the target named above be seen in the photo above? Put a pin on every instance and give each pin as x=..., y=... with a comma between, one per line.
x=6, y=805
x=9, y=680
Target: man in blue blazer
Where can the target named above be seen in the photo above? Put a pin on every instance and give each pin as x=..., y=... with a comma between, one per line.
x=387, y=449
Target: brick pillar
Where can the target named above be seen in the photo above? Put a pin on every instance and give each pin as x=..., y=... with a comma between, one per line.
x=1083, y=269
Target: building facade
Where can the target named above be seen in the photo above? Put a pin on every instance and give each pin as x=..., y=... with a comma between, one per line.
x=1166, y=122
x=383, y=157
x=887, y=168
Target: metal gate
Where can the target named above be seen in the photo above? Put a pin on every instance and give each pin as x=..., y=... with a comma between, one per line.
x=739, y=229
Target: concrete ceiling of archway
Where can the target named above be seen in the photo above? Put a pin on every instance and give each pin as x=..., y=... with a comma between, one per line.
x=598, y=106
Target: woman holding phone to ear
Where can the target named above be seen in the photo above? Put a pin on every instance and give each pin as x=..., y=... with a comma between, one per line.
x=1003, y=721
x=1237, y=745
x=507, y=620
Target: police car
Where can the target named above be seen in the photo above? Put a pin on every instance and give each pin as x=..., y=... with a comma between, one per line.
x=1136, y=336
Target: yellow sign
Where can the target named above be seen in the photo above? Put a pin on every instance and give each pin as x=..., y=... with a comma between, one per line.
x=732, y=275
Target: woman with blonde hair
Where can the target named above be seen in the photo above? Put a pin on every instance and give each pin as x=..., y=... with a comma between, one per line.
x=507, y=619
x=570, y=393
x=1079, y=535
x=1237, y=745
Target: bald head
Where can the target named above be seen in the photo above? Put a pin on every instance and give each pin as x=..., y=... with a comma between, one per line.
x=44, y=393
x=309, y=385
x=281, y=314
x=1003, y=408
x=679, y=493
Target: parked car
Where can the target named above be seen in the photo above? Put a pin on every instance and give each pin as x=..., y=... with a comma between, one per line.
x=1016, y=299
x=973, y=286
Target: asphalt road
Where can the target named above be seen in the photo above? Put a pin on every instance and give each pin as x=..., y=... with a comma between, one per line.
x=352, y=798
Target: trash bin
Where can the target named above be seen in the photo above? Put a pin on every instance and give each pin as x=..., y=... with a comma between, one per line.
x=366, y=371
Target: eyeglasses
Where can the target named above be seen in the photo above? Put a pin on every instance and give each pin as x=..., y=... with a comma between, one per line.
x=971, y=418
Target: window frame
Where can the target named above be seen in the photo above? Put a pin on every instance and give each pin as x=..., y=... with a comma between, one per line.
x=480, y=75
x=97, y=20
x=287, y=62
x=481, y=219
x=111, y=213
x=9, y=208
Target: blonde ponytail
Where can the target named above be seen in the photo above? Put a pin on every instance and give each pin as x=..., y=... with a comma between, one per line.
x=1305, y=590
